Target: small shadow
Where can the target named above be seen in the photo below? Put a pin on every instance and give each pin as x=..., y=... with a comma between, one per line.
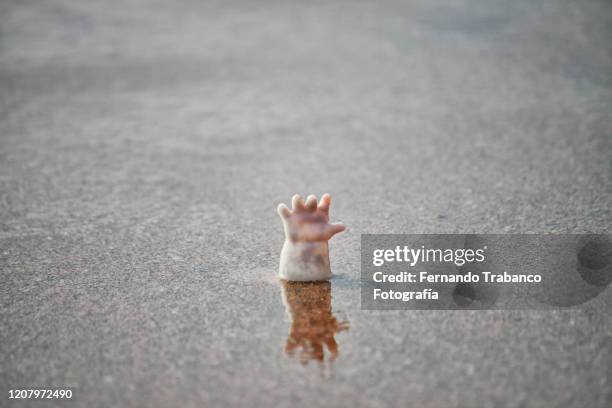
x=345, y=281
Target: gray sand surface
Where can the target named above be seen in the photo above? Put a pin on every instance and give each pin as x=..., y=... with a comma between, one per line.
x=144, y=148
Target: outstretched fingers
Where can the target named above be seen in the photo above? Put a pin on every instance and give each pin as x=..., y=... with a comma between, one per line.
x=325, y=203
x=283, y=211
x=333, y=229
x=297, y=203
x=332, y=346
x=311, y=203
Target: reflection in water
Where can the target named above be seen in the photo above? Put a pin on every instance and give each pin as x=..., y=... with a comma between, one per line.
x=313, y=325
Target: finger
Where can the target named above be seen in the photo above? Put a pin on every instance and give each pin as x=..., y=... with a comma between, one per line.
x=325, y=203
x=317, y=351
x=311, y=203
x=283, y=211
x=331, y=344
x=297, y=203
x=336, y=228
x=343, y=326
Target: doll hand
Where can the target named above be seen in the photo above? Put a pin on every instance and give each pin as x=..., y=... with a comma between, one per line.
x=305, y=253
x=308, y=222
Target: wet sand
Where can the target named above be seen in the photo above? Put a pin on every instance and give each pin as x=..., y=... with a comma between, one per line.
x=144, y=149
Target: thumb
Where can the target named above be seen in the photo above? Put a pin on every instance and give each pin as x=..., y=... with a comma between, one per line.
x=336, y=228
x=283, y=211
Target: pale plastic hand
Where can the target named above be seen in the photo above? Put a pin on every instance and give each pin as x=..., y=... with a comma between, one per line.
x=305, y=254
x=308, y=222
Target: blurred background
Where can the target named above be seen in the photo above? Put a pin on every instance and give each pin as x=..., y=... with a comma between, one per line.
x=144, y=146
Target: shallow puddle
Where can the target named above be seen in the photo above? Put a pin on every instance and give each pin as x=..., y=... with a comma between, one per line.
x=313, y=325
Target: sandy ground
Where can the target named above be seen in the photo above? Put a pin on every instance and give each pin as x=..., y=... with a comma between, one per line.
x=144, y=147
